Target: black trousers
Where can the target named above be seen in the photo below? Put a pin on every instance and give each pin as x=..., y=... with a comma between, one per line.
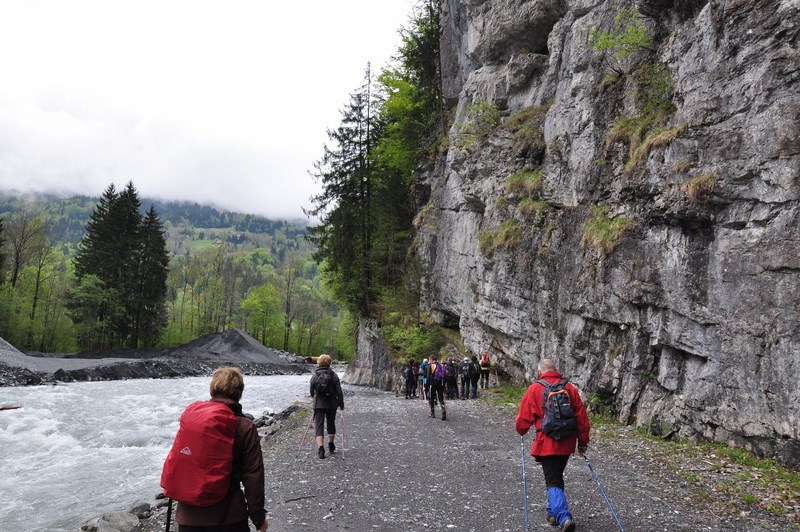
x=437, y=391
x=320, y=416
x=234, y=527
x=553, y=469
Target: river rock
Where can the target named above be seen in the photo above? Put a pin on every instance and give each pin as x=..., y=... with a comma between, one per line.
x=112, y=522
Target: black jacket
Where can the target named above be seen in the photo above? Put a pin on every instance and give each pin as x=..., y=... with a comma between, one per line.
x=337, y=400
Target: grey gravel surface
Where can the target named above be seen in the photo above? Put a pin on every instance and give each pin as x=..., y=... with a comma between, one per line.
x=400, y=470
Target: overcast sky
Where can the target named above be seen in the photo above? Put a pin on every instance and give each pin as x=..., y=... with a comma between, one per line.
x=222, y=102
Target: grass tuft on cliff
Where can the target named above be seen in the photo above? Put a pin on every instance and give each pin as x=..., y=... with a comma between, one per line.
x=604, y=233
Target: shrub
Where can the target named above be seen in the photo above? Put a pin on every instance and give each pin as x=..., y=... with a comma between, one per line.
x=604, y=233
x=619, y=45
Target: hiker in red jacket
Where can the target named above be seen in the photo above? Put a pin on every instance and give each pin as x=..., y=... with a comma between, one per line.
x=553, y=453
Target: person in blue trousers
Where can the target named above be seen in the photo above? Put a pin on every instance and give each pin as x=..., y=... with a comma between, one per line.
x=553, y=454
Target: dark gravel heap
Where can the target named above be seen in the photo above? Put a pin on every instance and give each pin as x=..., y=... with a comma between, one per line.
x=200, y=357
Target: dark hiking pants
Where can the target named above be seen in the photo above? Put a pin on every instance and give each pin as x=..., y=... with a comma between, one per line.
x=320, y=416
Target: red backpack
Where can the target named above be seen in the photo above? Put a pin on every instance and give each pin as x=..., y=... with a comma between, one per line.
x=198, y=468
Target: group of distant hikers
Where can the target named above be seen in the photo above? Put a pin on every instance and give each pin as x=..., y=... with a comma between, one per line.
x=215, y=468
x=472, y=374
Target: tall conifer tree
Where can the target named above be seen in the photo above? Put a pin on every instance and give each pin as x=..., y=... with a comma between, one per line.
x=343, y=237
x=153, y=269
x=127, y=253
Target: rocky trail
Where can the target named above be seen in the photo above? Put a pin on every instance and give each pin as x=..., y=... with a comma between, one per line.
x=396, y=469
x=400, y=470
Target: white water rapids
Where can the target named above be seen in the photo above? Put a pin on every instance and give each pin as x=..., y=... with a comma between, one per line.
x=74, y=451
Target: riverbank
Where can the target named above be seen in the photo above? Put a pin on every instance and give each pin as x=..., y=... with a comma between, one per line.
x=199, y=357
x=399, y=470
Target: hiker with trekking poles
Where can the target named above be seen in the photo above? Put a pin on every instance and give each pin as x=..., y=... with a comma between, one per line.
x=554, y=408
x=216, y=451
x=326, y=390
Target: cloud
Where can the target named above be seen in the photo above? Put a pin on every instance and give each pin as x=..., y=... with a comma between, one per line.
x=191, y=100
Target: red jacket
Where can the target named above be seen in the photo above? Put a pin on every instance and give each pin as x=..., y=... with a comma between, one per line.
x=530, y=414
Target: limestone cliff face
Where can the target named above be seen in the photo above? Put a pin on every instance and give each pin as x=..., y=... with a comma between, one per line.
x=688, y=322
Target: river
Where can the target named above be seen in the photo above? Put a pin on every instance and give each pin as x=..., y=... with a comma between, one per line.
x=78, y=450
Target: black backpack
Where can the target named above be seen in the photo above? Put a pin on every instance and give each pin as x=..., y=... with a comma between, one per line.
x=324, y=386
x=408, y=373
x=559, y=418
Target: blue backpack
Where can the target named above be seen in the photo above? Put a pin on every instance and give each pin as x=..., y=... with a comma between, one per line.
x=559, y=418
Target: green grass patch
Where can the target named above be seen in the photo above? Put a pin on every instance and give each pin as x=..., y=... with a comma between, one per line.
x=604, y=233
x=525, y=183
x=657, y=138
x=482, y=117
x=507, y=236
x=526, y=127
x=504, y=395
x=533, y=208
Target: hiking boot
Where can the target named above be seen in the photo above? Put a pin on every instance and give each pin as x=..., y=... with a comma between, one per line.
x=444, y=416
x=568, y=526
x=433, y=414
x=331, y=447
x=552, y=520
x=321, y=452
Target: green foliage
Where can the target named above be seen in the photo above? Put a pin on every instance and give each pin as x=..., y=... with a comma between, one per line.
x=407, y=332
x=507, y=236
x=482, y=117
x=262, y=312
x=127, y=252
x=619, y=45
x=604, y=233
x=525, y=183
x=654, y=88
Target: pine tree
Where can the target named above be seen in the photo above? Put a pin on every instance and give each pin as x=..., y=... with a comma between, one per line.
x=126, y=252
x=93, y=256
x=125, y=245
x=344, y=234
x=2, y=254
x=153, y=270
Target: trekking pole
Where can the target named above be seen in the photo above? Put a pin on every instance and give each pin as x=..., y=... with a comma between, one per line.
x=169, y=514
x=308, y=425
x=341, y=434
x=524, y=482
x=608, y=502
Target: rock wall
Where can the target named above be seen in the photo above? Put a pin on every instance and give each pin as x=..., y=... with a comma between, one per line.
x=372, y=365
x=688, y=324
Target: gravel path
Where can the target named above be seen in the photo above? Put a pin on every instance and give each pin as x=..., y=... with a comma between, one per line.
x=403, y=471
